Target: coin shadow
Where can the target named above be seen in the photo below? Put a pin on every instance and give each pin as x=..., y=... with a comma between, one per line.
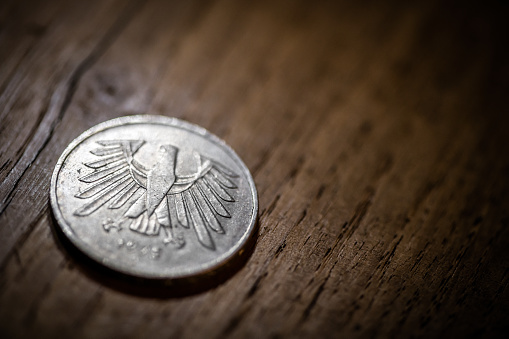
x=153, y=288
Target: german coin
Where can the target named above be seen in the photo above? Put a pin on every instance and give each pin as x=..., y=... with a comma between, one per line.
x=154, y=197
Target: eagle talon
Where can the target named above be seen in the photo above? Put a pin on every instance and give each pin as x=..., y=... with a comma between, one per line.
x=108, y=224
x=179, y=242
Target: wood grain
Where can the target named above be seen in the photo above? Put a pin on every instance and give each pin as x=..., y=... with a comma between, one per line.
x=376, y=134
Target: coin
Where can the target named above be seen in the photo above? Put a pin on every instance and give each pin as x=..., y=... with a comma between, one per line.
x=154, y=197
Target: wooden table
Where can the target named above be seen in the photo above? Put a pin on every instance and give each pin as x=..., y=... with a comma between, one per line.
x=376, y=135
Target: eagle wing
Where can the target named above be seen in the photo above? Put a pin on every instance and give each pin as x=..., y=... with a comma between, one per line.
x=199, y=200
x=116, y=176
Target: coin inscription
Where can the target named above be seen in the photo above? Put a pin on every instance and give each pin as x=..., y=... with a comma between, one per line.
x=154, y=197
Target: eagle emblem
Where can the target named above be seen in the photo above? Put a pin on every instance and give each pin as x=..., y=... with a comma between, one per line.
x=156, y=198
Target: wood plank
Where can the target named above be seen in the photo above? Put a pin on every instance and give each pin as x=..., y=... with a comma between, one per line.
x=376, y=134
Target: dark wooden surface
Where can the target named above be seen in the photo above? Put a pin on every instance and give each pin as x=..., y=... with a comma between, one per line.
x=376, y=134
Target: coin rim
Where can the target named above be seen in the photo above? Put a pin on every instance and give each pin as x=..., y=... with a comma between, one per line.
x=161, y=120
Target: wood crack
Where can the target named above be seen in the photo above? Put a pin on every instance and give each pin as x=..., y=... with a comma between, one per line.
x=13, y=179
x=22, y=239
x=314, y=299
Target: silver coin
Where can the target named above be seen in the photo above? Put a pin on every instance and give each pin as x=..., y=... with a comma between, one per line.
x=154, y=197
